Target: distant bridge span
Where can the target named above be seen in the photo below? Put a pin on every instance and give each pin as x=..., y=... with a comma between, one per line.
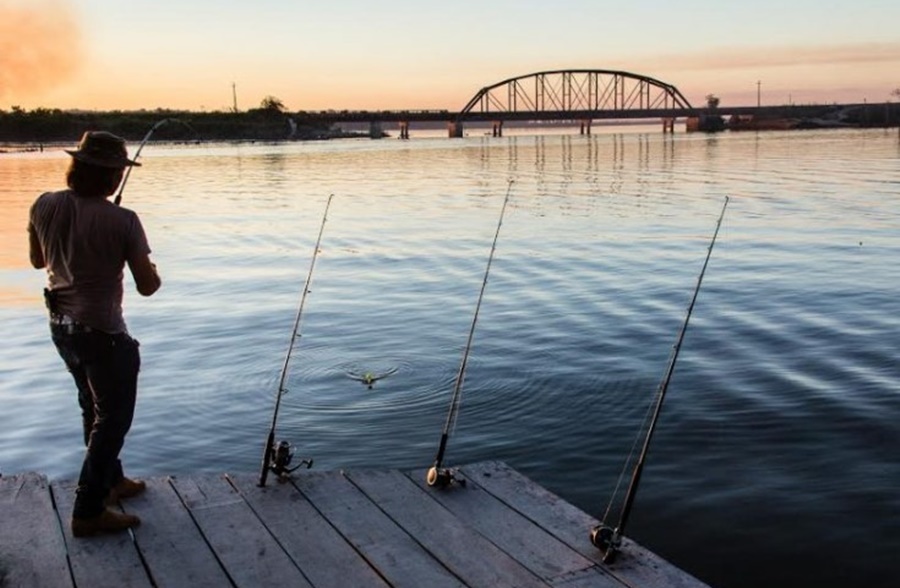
x=578, y=95
x=574, y=91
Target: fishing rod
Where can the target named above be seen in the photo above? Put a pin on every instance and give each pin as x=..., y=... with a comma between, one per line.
x=609, y=539
x=438, y=475
x=277, y=458
x=137, y=153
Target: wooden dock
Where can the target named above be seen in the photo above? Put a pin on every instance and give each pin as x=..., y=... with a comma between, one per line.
x=322, y=528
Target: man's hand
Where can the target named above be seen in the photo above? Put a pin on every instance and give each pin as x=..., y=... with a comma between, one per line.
x=146, y=277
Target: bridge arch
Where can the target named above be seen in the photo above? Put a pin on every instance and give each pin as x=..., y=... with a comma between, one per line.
x=576, y=91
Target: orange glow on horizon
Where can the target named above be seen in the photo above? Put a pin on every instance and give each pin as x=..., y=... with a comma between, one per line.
x=36, y=73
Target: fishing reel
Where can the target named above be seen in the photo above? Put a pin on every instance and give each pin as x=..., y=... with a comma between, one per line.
x=442, y=477
x=607, y=540
x=280, y=462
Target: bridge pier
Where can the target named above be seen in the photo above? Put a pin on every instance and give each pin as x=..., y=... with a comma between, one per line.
x=668, y=125
x=375, y=131
x=585, y=127
x=455, y=129
x=404, y=129
x=497, y=128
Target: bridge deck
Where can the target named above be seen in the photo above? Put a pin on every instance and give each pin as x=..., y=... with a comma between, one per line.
x=410, y=116
x=355, y=528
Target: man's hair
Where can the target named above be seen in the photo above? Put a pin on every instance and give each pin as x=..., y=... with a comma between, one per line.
x=92, y=181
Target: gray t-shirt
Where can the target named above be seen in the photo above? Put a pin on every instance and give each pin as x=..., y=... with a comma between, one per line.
x=86, y=243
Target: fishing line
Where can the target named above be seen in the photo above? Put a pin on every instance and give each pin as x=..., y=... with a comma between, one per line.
x=607, y=538
x=278, y=458
x=137, y=153
x=437, y=475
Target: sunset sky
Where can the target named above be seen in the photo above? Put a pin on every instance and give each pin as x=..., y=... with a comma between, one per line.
x=405, y=54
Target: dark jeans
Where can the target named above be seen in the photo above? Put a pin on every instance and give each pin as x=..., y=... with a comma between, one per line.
x=105, y=368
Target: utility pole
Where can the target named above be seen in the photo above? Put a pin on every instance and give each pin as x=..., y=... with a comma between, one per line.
x=234, y=96
x=758, y=102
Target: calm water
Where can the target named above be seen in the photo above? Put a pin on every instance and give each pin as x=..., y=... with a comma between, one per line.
x=775, y=462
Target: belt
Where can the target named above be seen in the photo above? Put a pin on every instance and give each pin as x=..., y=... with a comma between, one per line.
x=72, y=326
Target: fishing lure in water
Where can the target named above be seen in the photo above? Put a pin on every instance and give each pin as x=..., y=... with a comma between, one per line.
x=369, y=378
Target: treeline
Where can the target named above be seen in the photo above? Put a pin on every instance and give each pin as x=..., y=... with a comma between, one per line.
x=262, y=124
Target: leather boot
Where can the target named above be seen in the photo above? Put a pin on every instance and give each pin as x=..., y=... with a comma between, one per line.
x=126, y=488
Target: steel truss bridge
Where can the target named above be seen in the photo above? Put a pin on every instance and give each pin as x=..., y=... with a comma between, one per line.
x=576, y=95
x=568, y=93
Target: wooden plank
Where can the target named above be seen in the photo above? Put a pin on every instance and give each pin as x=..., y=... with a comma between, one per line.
x=472, y=557
x=542, y=553
x=32, y=549
x=104, y=560
x=387, y=547
x=325, y=557
x=244, y=546
x=586, y=578
x=325, y=529
x=173, y=548
x=634, y=565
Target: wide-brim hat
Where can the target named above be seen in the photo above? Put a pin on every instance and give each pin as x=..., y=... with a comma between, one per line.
x=102, y=148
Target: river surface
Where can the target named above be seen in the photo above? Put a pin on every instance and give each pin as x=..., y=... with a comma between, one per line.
x=776, y=459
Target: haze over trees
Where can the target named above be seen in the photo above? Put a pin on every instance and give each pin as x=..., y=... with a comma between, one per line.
x=270, y=122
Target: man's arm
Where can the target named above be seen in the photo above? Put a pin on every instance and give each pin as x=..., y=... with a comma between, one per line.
x=145, y=276
x=35, y=252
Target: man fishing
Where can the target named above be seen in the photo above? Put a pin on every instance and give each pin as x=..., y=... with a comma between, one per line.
x=84, y=241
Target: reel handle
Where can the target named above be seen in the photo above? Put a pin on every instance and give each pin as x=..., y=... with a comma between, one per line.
x=607, y=540
x=281, y=456
x=442, y=477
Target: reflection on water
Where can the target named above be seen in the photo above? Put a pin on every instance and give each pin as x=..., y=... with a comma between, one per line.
x=22, y=177
x=777, y=441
